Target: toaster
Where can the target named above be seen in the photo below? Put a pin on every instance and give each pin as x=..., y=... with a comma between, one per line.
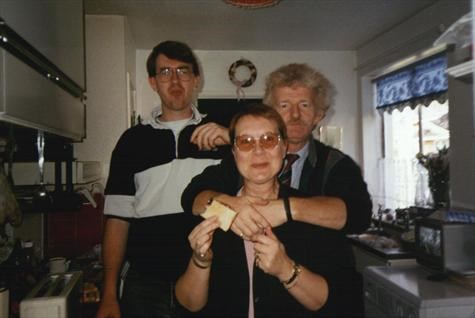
x=55, y=296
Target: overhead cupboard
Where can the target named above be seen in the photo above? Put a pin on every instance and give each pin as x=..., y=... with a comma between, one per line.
x=42, y=69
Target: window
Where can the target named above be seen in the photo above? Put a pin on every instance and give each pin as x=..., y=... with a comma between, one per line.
x=413, y=104
x=407, y=133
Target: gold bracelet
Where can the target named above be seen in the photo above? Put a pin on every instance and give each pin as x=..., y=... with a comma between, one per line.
x=197, y=264
x=295, y=273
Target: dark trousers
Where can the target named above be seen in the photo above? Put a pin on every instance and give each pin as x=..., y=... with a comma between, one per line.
x=145, y=296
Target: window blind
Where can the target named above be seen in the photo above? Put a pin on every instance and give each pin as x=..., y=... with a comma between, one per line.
x=418, y=83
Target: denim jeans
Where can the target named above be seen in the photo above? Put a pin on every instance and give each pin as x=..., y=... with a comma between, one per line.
x=145, y=296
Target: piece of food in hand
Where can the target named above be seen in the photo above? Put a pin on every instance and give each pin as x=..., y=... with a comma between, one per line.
x=224, y=213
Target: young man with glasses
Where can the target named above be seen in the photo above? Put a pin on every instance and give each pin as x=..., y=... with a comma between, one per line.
x=339, y=197
x=150, y=166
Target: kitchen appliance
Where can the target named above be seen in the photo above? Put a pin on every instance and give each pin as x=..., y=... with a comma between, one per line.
x=445, y=241
x=405, y=291
x=55, y=296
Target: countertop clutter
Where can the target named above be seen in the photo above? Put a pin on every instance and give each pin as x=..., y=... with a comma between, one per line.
x=391, y=235
x=381, y=246
x=73, y=235
x=390, y=239
x=32, y=286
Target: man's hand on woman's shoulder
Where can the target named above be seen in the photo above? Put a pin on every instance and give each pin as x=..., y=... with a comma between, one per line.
x=209, y=136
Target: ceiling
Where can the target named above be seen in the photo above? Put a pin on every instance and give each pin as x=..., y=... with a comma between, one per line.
x=289, y=25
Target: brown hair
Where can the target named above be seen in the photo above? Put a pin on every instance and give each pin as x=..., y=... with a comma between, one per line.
x=258, y=110
x=173, y=50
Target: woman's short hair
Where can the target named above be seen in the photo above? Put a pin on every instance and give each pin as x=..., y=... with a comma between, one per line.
x=262, y=111
x=300, y=74
x=173, y=50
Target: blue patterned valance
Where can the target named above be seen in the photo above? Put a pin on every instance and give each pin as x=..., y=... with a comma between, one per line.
x=418, y=83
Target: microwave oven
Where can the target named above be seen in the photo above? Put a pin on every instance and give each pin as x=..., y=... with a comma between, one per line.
x=445, y=241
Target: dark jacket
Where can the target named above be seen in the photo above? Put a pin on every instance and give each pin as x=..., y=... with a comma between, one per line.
x=322, y=251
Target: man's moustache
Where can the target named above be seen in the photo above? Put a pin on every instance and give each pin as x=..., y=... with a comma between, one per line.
x=295, y=122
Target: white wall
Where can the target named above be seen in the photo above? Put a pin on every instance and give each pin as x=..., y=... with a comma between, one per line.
x=107, y=58
x=338, y=66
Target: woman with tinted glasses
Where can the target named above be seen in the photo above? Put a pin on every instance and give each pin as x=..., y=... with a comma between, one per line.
x=279, y=272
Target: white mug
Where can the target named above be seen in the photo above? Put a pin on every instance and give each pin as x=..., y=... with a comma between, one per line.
x=58, y=265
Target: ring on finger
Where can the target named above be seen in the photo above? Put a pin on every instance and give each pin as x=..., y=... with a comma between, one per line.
x=241, y=235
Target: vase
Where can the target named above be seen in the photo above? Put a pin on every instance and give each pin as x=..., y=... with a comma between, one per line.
x=439, y=188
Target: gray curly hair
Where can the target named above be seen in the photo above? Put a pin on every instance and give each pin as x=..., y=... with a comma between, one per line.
x=300, y=74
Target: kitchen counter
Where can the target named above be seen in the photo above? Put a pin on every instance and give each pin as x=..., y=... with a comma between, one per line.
x=410, y=291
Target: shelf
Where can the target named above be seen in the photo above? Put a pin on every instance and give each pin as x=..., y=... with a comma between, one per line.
x=462, y=70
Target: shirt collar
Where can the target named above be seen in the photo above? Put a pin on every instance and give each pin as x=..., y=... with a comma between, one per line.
x=155, y=122
x=303, y=153
x=308, y=151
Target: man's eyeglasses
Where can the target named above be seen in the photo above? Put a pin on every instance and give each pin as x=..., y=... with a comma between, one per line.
x=247, y=143
x=165, y=74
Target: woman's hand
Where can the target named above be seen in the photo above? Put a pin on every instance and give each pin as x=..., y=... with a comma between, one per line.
x=271, y=257
x=201, y=238
x=191, y=288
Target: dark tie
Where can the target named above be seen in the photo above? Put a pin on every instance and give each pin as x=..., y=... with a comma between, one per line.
x=286, y=173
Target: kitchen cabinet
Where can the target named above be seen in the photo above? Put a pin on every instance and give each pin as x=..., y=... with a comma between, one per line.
x=27, y=99
x=55, y=28
x=42, y=70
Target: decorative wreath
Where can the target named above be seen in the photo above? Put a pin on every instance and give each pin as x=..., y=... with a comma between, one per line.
x=252, y=70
